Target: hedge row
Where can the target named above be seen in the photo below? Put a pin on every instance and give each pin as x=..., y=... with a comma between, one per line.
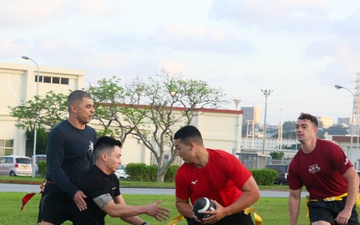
x=137, y=172
x=142, y=172
x=264, y=176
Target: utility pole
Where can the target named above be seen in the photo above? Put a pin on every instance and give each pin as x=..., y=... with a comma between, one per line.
x=266, y=94
x=237, y=103
x=280, y=132
x=357, y=113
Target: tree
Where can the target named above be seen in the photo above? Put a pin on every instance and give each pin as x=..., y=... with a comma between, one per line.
x=48, y=111
x=108, y=99
x=289, y=126
x=337, y=130
x=277, y=155
x=41, y=139
x=163, y=94
x=154, y=109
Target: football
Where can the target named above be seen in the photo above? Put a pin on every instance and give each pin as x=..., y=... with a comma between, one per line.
x=201, y=205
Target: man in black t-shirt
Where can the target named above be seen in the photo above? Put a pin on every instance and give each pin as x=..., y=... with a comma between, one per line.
x=101, y=186
x=69, y=156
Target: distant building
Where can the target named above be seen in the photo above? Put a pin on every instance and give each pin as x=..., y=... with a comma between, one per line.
x=270, y=143
x=344, y=121
x=327, y=121
x=18, y=85
x=251, y=113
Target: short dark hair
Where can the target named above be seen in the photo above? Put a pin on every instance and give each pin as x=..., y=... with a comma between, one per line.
x=77, y=96
x=307, y=116
x=105, y=143
x=188, y=133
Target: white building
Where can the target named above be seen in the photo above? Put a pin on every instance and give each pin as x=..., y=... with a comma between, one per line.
x=221, y=129
x=18, y=85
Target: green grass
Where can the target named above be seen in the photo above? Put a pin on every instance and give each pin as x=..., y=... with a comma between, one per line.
x=273, y=211
x=124, y=183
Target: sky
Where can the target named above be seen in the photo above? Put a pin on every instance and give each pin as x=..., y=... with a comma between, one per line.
x=298, y=49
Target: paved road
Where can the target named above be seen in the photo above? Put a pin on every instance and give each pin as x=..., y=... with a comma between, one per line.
x=35, y=188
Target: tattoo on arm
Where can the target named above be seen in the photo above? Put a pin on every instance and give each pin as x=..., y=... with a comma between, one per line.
x=103, y=200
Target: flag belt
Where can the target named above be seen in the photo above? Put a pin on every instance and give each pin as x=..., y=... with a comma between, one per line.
x=28, y=196
x=257, y=218
x=329, y=199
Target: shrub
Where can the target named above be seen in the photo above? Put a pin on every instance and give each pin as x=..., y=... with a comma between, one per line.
x=42, y=168
x=264, y=176
x=170, y=173
x=142, y=172
x=137, y=171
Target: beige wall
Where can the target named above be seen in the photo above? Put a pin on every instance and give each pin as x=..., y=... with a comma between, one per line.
x=221, y=129
x=18, y=85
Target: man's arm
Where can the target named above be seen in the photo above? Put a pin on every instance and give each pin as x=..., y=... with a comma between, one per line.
x=106, y=203
x=129, y=219
x=184, y=207
x=294, y=205
x=250, y=194
x=353, y=186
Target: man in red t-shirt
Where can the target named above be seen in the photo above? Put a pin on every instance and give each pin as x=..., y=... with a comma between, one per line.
x=214, y=174
x=323, y=168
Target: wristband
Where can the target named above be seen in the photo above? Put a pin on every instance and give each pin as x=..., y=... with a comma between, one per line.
x=144, y=223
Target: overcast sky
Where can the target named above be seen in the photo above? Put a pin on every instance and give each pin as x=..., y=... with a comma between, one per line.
x=297, y=49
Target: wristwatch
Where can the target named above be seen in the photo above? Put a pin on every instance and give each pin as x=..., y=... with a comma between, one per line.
x=144, y=223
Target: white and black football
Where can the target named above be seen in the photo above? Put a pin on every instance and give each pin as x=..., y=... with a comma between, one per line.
x=201, y=205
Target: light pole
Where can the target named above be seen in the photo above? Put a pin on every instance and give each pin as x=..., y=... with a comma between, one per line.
x=352, y=119
x=266, y=94
x=237, y=103
x=35, y=127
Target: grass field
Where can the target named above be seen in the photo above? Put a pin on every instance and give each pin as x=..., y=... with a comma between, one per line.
x=272, y=210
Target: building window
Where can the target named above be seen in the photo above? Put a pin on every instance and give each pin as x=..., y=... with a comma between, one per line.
x=6, y=147
x=56, y=80
x=40, y=78
x=64, y=80
x=47, y=79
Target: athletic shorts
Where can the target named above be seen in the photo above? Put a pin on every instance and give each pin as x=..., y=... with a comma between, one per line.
x=55, y=207
x=328, y=211
x=235, y=219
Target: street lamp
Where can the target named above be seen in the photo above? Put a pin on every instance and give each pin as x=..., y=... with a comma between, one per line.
x=266, y=94
x=35, y=128
x=352, y=120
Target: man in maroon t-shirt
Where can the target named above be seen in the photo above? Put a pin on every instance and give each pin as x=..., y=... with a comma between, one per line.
x=323, y=168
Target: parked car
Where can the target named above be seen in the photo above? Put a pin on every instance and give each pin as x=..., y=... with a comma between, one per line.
x=39, y=158
x=13, y=165
x=121, y=172
x=282, y=170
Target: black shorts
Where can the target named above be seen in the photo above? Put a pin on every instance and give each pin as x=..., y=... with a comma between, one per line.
x=328, y=211
x=56, y=206
x=235, y=219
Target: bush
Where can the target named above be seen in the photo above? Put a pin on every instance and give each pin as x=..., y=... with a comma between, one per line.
x=170, y=173
x=137, y=171
x=264, y=176
x=142, y=172
x=42, y=168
